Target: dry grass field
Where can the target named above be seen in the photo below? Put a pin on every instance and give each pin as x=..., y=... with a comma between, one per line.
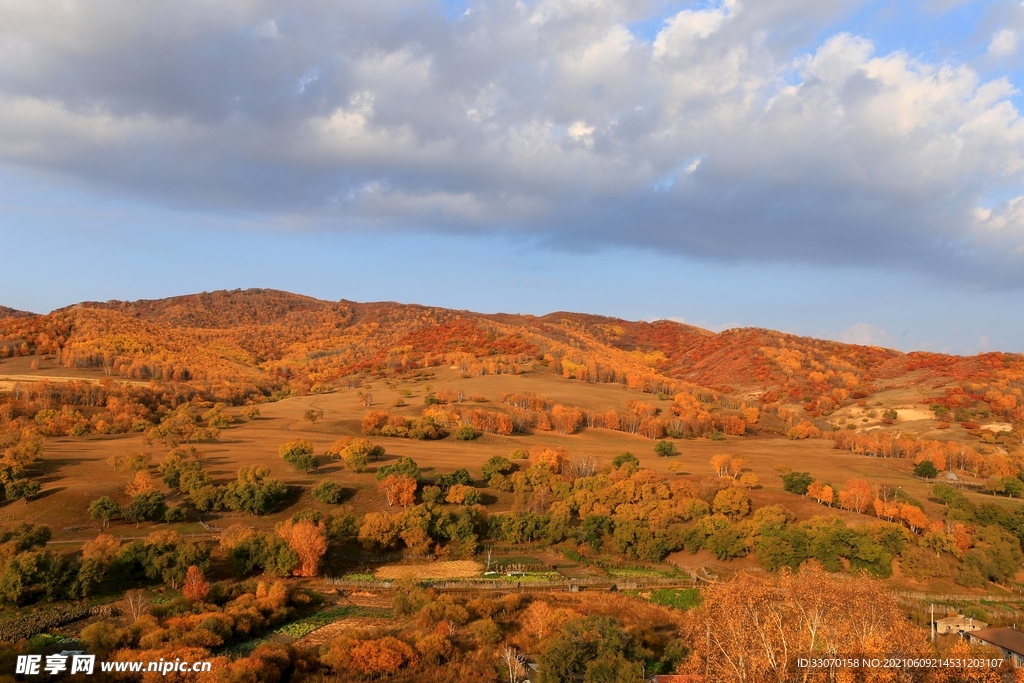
x=75, y=470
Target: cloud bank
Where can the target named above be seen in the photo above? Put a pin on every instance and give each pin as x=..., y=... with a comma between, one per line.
x=736, y=131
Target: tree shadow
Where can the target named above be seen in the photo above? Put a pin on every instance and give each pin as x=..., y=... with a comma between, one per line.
x=46, y=493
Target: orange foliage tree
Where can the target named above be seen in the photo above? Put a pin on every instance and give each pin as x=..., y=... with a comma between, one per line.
x=755, y=626
x=856, y=495
x=308, y=540
x=398, y=489
x=195, y=586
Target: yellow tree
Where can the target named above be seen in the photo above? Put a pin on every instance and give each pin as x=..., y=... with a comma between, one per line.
x=720, y=464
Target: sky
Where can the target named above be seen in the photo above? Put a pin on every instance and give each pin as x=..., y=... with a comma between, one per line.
x=841, y=169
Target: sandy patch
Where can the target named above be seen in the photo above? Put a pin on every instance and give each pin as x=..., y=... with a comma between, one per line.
x=998, y=426
x=907, y=414
x=459, y=569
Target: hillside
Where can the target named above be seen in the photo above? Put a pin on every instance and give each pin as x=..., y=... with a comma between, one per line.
x=271, y=342
x=277, y=341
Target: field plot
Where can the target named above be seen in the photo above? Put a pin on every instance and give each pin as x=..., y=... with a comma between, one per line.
x=457, y=569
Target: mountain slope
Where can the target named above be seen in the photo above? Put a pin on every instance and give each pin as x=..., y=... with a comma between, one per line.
x=277, y=339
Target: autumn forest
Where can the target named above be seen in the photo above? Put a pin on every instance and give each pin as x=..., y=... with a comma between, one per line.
x=305, y=490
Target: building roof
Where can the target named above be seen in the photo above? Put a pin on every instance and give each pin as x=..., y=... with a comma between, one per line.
x=1007, y=638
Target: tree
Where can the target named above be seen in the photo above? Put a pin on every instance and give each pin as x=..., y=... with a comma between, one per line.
x=467, y=433
x=496, y=465
x=309, y=541
x=313, y=415
x=378, y=658
x=253, y=491
x=512, y=663
x=357, y=453
x=22, y=489
x=856, y=495
x=461, y=494
x=149, y=506
x=749, y=480
x=926, y=469
x=404, y=466
x=132, y=462
x=195, y=587
x=913, y=517
x=731, y=502
x=797, y=482
x=105, y=509
x=299, y=454
x=398, y=488
x=329, y=492
x=251, y=412
x=627, y=460
x=720, y=464
x=761, y=622
x=580, y=466
x=664, y=449
x=820, y=492
x=304, y=463
x=137, y=603
x=380, y=530
x=141, y=483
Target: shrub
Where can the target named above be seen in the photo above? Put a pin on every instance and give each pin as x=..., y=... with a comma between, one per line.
x=329, y=492
x=627, y=459
x=467, y=433
x=665, y=449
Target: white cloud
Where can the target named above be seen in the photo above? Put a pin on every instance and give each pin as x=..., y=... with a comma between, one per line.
x=730, y=135
x=865, y=334
x=1004, y=43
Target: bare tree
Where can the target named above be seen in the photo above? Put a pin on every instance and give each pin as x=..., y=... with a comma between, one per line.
x=514, y=663
x=137, y=602
x=579, y=466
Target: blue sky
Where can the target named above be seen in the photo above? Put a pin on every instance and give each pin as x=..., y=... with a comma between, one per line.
x=846, y=170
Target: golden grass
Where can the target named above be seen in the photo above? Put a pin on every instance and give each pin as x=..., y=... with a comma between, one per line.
x=457, y=569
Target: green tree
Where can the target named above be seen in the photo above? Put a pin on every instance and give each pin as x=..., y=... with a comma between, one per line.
x=266, y=552
x=329, y=492
x=926, y=469
x=626, y=459
x=797, y=482
x=664, y=449
x=304, y=463
x=149, y=506
x=22, y=489
x=359, y=452
x=496, y=465
x=467, y=433
x=253, y=492
x=404, y=466
x=164, y=556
